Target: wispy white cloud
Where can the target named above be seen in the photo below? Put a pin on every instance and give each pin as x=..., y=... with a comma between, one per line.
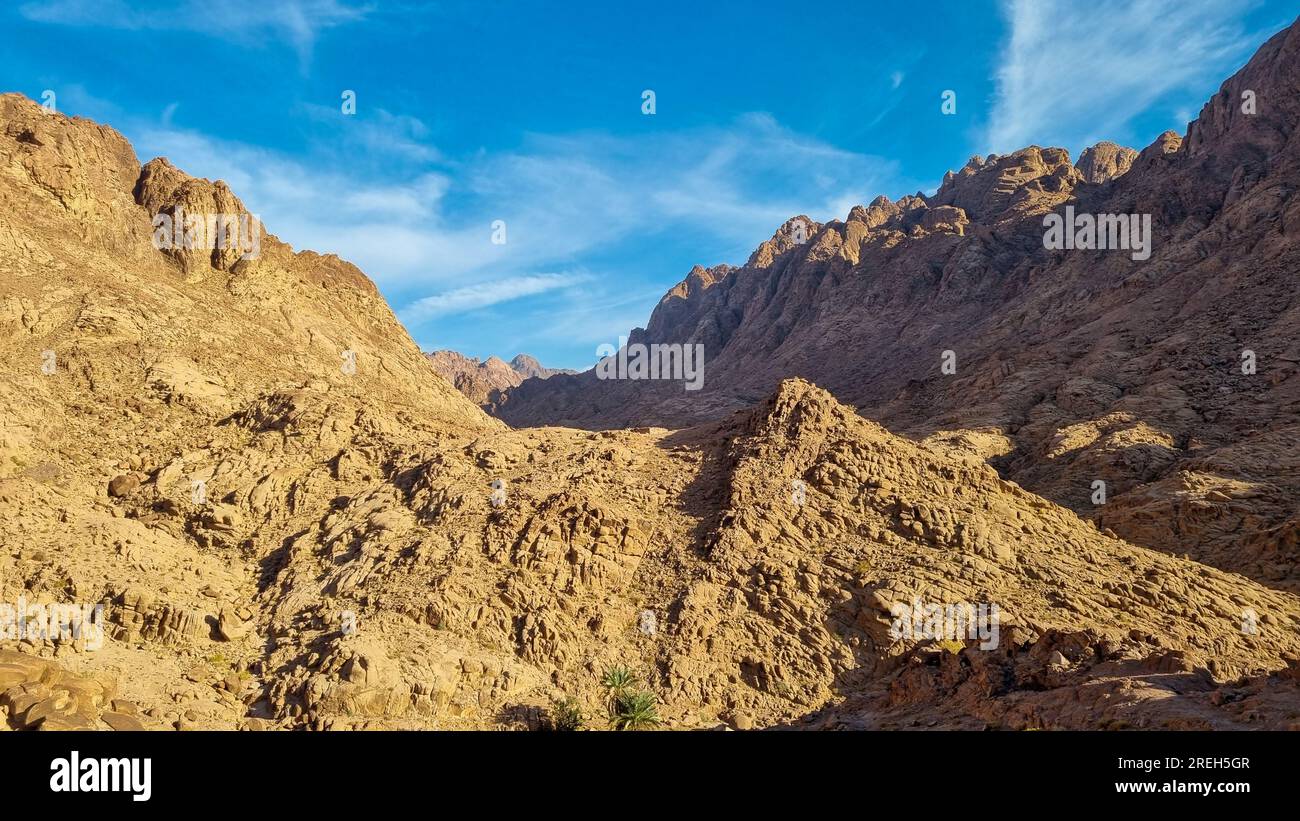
x=381, y=133
x=375, y=190
x=313, y=202
x=416, y=225
x=1075, y=73
x=298, y=22
x=481, y=295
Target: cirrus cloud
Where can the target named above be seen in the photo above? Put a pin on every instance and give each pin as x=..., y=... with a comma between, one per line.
x=1076, y=73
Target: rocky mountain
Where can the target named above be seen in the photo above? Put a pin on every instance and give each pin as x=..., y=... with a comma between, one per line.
x=1172, y=377
x=479, y=380
x=530, y=368
x=291, y=521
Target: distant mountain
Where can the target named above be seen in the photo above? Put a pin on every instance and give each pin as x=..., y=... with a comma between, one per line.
x=479, y=380
x=529, y=368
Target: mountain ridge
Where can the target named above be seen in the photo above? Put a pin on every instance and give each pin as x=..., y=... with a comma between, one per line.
x=1136, y=364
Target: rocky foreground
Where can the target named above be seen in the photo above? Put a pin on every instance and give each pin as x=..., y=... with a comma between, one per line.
x=292, y=521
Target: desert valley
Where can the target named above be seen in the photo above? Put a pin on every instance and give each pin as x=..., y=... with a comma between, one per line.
x=938, y=473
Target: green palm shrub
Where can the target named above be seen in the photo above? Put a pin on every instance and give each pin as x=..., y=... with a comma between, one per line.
x=617, y=680
x=637, y=710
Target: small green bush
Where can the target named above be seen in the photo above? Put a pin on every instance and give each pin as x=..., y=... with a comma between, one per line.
x=617, y=680
x=637, y=710
x=566, y=715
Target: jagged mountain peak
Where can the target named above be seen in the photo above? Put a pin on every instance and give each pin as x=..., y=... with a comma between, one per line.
x=479, y=381
x=1256, y=111
x=1104, y=162
x=525, y=364
x=986, y=191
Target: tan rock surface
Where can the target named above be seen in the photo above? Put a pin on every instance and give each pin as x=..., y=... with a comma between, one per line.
x=331, y=541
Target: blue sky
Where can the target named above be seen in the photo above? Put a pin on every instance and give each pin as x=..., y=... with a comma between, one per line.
x=531, y=113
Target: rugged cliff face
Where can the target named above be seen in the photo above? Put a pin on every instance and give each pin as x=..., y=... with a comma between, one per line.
x=1070, y=366
x=292, y=521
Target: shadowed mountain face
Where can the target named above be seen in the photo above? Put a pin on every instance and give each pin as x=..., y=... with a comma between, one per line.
x=1068, y=367
x=292, y=521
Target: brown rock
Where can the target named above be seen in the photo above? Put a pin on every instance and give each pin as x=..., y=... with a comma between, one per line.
x=123, y=485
